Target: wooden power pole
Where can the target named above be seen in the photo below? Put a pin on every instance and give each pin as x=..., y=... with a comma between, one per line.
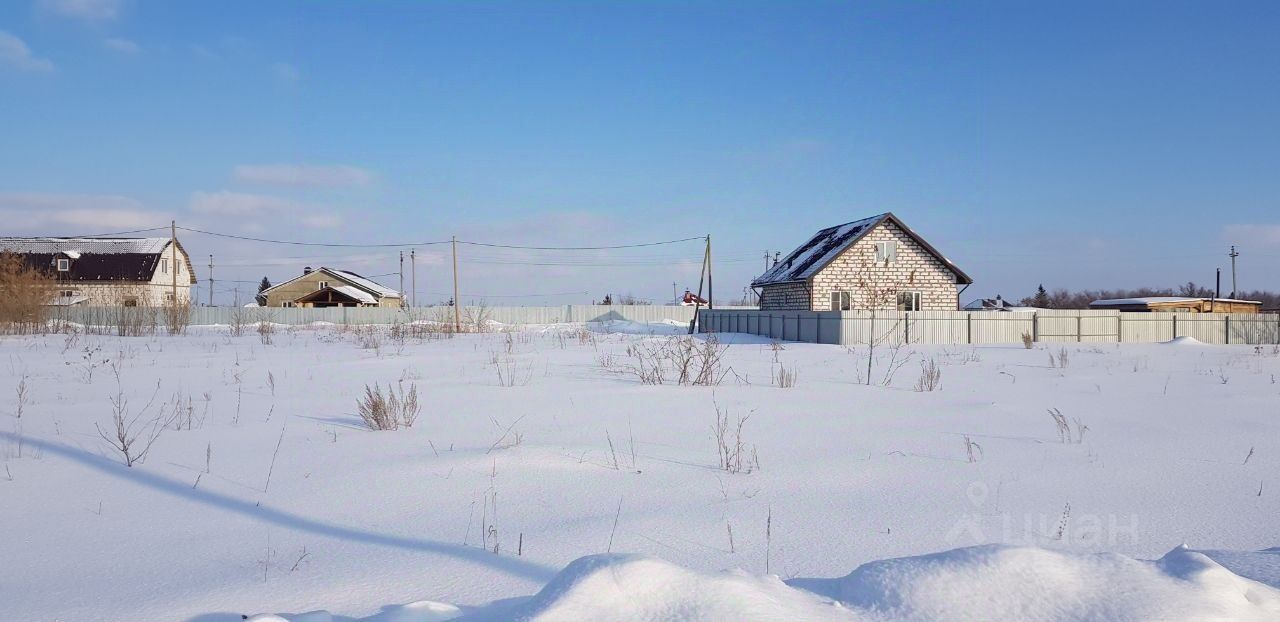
x=210, y=280
x=404, y=302
x=413, y=276
x=173, y=268
x=710, y=295
x=457, y=317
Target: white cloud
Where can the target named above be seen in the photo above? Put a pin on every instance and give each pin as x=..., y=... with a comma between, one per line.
x=286, y=72
x=87, y=213
x=322, y=221
x=245, y=205
x=303, y=175
x=239, y=203
x=1261, y=235
x=124, y=46
x=15, y=53
x=86, y=10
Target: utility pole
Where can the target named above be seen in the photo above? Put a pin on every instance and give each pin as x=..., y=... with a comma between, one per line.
x=413, y=275
x=403, y=301
x=710, y=297
x=675, y=297
x=702, y=276
x=173, y=268
x=210, y=280
x=457, y=317
x=1233, y=254
x=766, y=261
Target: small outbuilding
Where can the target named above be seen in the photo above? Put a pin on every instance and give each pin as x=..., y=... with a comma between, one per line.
x=1178, y=304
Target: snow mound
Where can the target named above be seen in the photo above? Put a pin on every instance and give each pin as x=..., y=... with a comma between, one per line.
x=997, y=582
x=630, y=587
x=989, y=582
x=1183, y=341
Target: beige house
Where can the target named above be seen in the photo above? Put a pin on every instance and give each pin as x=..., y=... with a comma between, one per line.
x=327, y=287
x=110, y=272
x=874, y=263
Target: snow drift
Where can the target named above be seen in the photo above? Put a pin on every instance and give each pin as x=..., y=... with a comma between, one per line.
x=990, y=582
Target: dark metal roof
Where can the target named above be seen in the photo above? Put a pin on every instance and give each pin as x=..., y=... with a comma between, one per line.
x=94, y=259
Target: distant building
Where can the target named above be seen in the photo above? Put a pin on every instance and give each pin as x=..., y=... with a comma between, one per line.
x=876, y=262
x=327, y=287
x=109, y=272
x=1171, y=304
x=996, y=304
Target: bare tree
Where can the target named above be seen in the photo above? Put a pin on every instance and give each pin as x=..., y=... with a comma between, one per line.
x=132, y=435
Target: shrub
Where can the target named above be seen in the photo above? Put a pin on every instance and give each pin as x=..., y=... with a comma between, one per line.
x=391, y=410
x=930, y=376
x=24, y=294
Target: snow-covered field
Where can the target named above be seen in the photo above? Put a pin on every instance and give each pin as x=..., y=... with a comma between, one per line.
x=580, y=493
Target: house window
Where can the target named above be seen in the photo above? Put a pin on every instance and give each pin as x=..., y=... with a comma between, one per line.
x=64, y=265
x=287, y=303
x=839, y=301
x=68, y=293
x=168, y=296
x=131, y=302
x=322, y=284
x=909, y=301
x=164, y=266
x=886, y=252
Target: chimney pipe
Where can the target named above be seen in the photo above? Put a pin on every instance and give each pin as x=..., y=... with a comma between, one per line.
x=306, y=270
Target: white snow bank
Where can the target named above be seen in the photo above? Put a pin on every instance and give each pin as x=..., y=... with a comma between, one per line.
x=1183, y=341
x=996, y=582
x=990, y=582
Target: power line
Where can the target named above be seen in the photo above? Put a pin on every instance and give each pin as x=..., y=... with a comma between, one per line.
x=296, y=243
x=431, y=243
x=579, y=248
x=114, y=233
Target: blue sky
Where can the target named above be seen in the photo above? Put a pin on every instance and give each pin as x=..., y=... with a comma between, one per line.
x=1076, y=145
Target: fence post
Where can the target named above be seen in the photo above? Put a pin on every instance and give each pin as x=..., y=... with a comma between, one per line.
x=906, y=327
x=968, y=327
x=1175, y=325
x=1227, y=329
x=1079, y=327
x=1035, y=326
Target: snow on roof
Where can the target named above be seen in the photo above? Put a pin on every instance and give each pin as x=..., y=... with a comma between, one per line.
x=356, y=279
x=355, y=293
x=73, y=247
x=67, y=301
x=811, y=256
x=350, y=277
x=1110, y=302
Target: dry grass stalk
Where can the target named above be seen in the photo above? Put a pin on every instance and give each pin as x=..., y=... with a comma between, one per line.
x=391, y=410
x=930, y=376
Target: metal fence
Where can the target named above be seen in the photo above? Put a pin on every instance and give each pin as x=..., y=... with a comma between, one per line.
x=979, y=327
x=298, y=316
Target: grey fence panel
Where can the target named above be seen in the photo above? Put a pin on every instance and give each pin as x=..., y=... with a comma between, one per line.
x=1146, y=327
x=1001, y=327
x=1206, y=327
x=1082, y=326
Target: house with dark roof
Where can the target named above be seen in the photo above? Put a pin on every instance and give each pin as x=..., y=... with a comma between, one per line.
x=873, y=263
x=109, y=271
x=329, y=287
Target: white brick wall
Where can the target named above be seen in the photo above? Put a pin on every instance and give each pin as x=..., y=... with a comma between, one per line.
x=915, y=269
